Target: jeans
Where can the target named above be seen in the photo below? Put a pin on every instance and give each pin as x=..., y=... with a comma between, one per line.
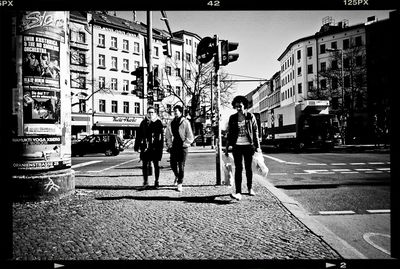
x=241, y=152
x=178, y=159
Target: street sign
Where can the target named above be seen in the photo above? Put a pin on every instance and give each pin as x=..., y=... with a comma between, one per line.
x=206, y=50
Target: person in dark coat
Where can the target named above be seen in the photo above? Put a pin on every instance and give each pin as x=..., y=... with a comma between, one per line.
x=150, y=142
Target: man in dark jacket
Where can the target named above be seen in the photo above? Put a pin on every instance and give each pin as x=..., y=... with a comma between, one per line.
x=150, y=141
x=243, y=138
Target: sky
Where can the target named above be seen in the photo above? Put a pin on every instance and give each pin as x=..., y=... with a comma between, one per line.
x=262, y=35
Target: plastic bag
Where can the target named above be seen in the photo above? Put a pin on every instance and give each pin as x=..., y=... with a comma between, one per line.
x=258, y=165
x=228, y=171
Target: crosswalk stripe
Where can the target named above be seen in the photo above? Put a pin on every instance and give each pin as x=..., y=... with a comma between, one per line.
x=344, y=212
x=378, y=211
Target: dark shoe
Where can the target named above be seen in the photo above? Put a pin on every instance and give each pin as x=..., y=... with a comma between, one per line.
x=156, y=184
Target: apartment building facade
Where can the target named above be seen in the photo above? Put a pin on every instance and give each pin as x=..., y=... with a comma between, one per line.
x=112, y=48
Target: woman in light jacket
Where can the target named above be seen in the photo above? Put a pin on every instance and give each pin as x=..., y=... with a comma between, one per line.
x=179, y=137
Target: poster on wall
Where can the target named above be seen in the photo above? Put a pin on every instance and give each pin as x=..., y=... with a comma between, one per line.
x=41, y=61
x=43, y=23
x=41, y=105
x=39, y=153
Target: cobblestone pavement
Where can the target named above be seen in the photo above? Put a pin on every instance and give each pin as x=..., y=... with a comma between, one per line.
x=111, y=217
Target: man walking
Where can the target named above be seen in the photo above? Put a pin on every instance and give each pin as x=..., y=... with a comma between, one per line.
x=150, y=140
x=179, y=137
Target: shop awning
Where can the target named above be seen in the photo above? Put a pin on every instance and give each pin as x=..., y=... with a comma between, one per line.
x=116, y=124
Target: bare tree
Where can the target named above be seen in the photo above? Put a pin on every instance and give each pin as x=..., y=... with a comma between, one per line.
x=196, y=87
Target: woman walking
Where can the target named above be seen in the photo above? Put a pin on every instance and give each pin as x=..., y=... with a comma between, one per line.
x=150, y=141
x=243, y=138
x=179, y=137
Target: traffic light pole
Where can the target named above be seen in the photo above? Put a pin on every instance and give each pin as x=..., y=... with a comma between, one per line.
x=219, y=142
x=149, y=50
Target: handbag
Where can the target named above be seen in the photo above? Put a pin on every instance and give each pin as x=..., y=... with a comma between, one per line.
x=258, y=165
x=228, y=171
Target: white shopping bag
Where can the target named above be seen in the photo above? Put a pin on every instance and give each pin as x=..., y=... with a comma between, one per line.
x=228, y=171
x=258, y=165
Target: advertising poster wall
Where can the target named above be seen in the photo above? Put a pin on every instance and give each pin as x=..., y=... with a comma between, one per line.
x=45, y=110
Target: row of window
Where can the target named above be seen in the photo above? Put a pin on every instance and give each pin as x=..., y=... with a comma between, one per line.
x=114, y=63
x=322, y=49
x=270, y=101
x=114, y=44
x=114, y=107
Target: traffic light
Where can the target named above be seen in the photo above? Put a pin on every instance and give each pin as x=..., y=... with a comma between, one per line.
x=167, y=50
x=226, y=47
x=138, y=82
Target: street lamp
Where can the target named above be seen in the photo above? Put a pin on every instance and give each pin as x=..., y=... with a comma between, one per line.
x=342, y=74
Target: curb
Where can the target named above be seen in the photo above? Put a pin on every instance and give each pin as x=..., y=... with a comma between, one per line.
x=343, y=248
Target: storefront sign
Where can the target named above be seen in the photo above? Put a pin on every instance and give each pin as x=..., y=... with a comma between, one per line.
x=125, y=119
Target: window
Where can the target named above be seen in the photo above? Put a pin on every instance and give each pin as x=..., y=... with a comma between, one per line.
x=114, y=106
x=125, y=64
x=136, y=47
x=334, y=64
x=114, y=84
x=298, y=55
x=359, y=60
x=334, y=83
x=169, y=108
x=309, y=69
x=137, y=108
x=136, y=64
x=323, y=84
x=177, y=72
x=359, y=80
x=346, y=63
x=156, y=53
x=125, y=85
x=102, y=42
x=335, y=102
x=113, y=42
x=190, y=42
x=310, y=85
x=358, y=41
x=82, y=105
x=346, y=44
x=323, y=66
x=102, y=82
x=178, y=90
x=322, y=48
x=168, y=70
x=309, y=51
x=81, y=37
x=334, y=45
x=102, y=105
x=157, y=108
x=188, y=74
x=347, y=81
x=114, y=63
x=126, y=107
x=102, y=60
x=188, y=57
x=177, y=55
x=125, y=45
x=299, y=88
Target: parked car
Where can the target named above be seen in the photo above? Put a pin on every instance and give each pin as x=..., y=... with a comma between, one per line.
x=109, y=144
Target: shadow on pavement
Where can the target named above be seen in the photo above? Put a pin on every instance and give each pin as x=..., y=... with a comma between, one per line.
x=138, y=188
x=188, y=199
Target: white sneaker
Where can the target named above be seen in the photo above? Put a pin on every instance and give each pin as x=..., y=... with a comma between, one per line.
x=236, y=196
x=179, y=188
x=251, y=192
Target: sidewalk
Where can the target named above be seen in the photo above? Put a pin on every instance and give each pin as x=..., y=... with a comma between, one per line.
x=110, y=217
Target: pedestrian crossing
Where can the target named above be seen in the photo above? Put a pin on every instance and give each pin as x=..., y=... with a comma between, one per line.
x=337, y=171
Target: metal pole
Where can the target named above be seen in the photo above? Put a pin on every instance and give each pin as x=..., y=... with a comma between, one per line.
x=219, y=142
x=212, y=112
x=343, y=133
x=150, y=47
